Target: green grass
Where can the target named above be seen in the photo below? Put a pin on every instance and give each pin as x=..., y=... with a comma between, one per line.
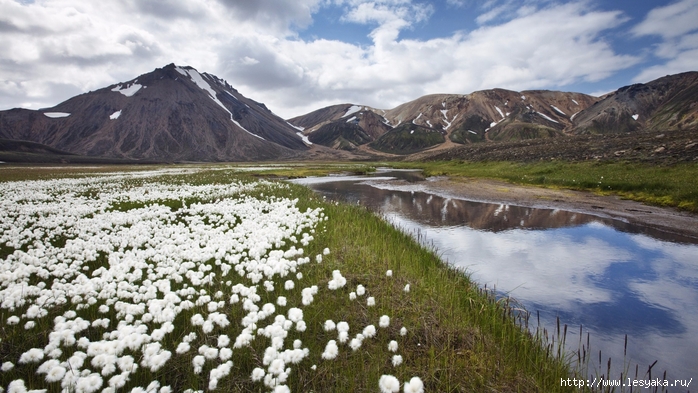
x=460, y=338
x=675, y=185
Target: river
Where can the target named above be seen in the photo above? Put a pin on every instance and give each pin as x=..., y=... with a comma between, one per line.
x=608, y=276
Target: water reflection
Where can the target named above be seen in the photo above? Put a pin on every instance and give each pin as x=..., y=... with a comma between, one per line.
x=609, y=276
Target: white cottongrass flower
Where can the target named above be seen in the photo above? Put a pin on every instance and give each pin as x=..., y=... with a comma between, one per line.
x=33, y=355
x=289, y=284
x=331, y=350
x=17, y=386
x=342, y=326
x=392, y=346
x=355, y=344
x=326, y=251
x=198, y=363
x=318, y=258
x=295, y=314
x=55, y=374
x=225, y=354
x=13, y=320
x=183, y=347
x=360, y=290
x=223, y=341
x=415, y=385
x=397, y=360
x=352, y=296
x=389, y=384
x=371, y=301
x=277, y=366
x=7, y=366
x=329, y=325
x=258, y=374
x=389, y=273
x=403, y=331
x=282, y=389
x=384, y=321
x=337, y=281
x=281, y=301
x=369, y=331
x=343, y=337
x=90, y=383
x=407, y=288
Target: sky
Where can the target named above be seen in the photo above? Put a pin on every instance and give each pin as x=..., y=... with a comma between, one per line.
x=300, y=55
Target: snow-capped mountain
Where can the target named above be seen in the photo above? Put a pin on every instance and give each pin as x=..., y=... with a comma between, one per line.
x=171, y=114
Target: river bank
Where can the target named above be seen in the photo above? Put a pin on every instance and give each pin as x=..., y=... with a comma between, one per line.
x=664, y=219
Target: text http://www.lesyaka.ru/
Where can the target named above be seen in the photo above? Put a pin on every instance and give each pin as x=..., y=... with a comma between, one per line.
x=628, y=382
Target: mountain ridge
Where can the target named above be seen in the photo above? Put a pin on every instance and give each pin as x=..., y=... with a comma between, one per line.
x=177, y=114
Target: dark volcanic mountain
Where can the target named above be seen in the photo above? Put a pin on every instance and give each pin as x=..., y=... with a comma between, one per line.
x=665, y=104
x=171, y=114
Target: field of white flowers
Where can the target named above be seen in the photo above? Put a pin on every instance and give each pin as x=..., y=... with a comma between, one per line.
x=143, y=282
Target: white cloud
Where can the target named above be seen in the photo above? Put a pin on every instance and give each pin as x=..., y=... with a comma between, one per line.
x=56, y=48
x=670, y=21
x=678, y=51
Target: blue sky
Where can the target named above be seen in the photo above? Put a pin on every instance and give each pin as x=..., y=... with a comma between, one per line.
x=301, y=55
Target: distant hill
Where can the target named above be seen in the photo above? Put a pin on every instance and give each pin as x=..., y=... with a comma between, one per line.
x=666, y=104
x=171, y=114
x=444, y=121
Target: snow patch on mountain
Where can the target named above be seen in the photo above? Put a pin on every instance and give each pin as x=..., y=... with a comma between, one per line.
x=304, y=138
x=636, y=116
x=127, y=90
x=575, y=102
x=351, y=119
x=352, y=109
x=499, y=110
x=199, y=81
x=299, y=128
x=558, y=110
x=56, y=115
x=115, y=115
x=547, y=117
x=416, y=118
x=448, y=123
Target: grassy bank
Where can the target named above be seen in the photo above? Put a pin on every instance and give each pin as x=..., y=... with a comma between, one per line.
x=675, y=185
x=458, y=337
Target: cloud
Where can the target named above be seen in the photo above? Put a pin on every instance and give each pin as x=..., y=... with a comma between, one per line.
x=53, y=48
x=670, y=21
x=678, y=50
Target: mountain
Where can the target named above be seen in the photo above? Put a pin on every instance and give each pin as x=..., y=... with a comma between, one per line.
x=175, y=114
x=665, y=104
x=445, y=119
x=171, y=114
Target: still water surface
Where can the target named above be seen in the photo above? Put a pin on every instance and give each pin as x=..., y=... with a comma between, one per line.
x=608, y=276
